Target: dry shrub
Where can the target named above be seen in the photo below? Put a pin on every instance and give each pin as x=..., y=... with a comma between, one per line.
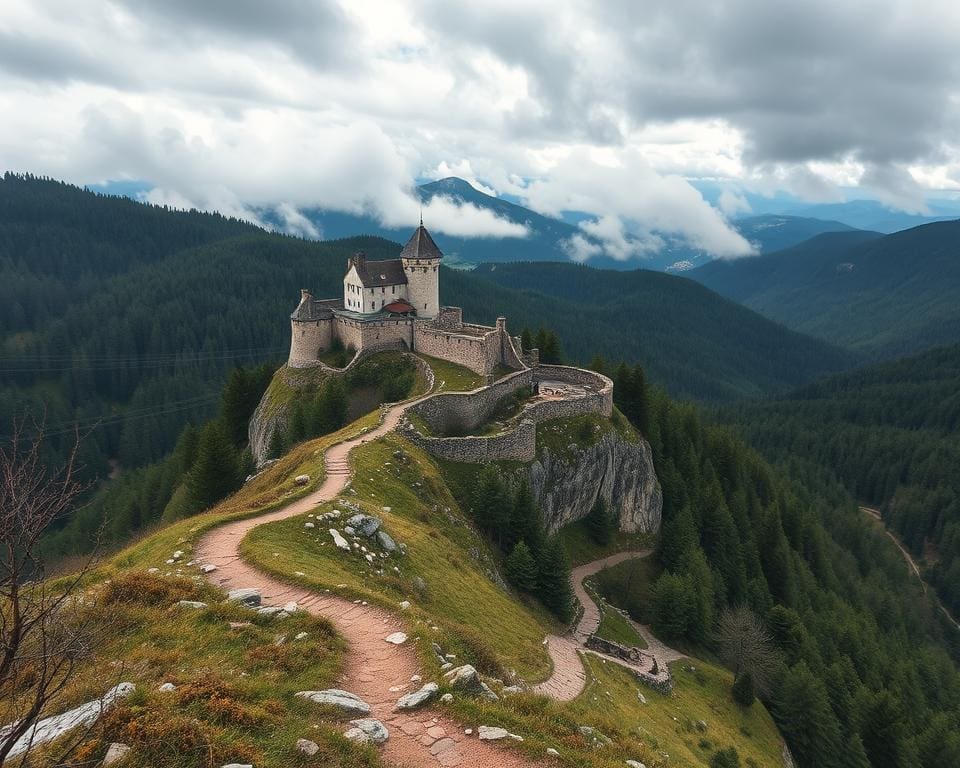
x=142, y=588
x=289, y=657
x=160, y=738
x=221, y=703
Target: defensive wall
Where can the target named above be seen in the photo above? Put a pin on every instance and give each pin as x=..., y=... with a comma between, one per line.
x=458, y=411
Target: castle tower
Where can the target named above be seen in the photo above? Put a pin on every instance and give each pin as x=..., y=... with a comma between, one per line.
x=421, y=264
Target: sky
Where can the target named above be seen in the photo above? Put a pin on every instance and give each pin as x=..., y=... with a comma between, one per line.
x=607, y=107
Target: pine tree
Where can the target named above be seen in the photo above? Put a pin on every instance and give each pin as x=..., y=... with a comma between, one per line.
x=298, y=428
x=553, y=580
x=526, y=339
x=601, y=522
x=677, y=538
x=725, y=758
x=491, y=505
x=598, y=364
x=525, y=523
x=215, y=473
x=521, y=568
x=743, y=689
x=235, y=404
x=802, y=710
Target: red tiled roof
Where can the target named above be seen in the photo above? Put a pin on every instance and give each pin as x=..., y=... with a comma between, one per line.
x=399, y=307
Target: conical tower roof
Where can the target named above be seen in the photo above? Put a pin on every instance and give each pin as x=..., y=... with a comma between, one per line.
x=421, y=246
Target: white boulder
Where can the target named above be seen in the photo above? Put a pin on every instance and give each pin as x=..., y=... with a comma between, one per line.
x=367, y=731
x=334, y=697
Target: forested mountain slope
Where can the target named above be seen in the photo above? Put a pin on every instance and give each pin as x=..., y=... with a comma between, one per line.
x=690, y=339
x=127, y=317
x=891, y=434
x=882, y=296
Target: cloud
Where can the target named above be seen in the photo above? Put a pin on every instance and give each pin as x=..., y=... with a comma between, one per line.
x=242, y=104
x=732, y=203
x=895, y=187
x=627, y=196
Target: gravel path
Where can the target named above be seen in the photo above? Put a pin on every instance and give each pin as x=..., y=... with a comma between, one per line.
x=379, y=672
x=376, y=671
x=569, y=678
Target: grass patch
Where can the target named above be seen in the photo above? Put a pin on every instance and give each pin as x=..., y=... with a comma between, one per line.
x=614, y=626
x=697, y=719
x=451, y=377
x=629, y=586
x=234, y=686
x=486, y=622
x=581, y=548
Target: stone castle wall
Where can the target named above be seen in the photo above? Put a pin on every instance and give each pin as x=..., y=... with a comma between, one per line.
x=478, y=353
x=518, y=444
x=364, y=334
x=307, y=340
x=601, y=386
x=456, y=411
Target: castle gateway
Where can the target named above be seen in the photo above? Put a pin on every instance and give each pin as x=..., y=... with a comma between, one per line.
x=395, y=304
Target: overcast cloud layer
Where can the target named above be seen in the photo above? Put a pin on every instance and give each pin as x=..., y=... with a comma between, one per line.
x=602, y=106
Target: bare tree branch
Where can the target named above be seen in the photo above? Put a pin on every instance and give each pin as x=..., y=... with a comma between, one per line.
x=746, y=646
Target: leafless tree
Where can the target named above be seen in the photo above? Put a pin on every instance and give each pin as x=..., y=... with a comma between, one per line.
x=746, y=646
x=44, y=631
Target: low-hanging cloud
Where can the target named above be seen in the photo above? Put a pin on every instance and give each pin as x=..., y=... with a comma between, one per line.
x=630, y=197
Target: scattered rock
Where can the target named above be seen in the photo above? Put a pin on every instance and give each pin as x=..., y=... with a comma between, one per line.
x=445, y=666
x=446, y=698
x=365, y=525
x=367, y=731
x=349, y=531
x=291, y=607
x=634, y=764
x=493, y=733
x=511, y=689
x=301, y=479
x=465, y=678
x=308, y=747
x=209, y=568
x=404, y=604
x=397, y=638
x=196, y=604
x=643, y=699
x=51, y=728
x=339, y=540
x=247, y=596
x=300, y=636
x=417, y=698
x=272, y=612
x=237, y=765
x=344, y=700
x=384, y=540
x=167, y=688
x=308, y=524
x=419, y=584
x=594, y=736
x=552, y=752
x=115, y=753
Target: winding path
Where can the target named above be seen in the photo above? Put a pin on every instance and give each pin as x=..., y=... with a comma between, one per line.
x=376, y=671
x=875, y=514
x=569, y=677
x=379, y=672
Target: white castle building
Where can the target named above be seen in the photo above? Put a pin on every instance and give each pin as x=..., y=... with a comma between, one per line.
x=395, y=304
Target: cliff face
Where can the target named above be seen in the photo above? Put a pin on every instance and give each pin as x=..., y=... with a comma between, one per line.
x=567, y=484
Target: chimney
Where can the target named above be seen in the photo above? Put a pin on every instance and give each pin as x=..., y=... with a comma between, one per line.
x=304, y=295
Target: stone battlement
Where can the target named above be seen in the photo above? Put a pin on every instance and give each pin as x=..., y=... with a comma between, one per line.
x=460, y=411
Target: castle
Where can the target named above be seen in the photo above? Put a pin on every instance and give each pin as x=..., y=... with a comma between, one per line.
x=395, y=304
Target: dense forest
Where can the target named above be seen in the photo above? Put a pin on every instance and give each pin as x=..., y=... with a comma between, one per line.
x=883, y=297
x=125, y=318
x=891, y=435
x=688, y=339
x=866, y=669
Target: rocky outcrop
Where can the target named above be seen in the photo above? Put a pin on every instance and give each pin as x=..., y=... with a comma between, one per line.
x=567, y=484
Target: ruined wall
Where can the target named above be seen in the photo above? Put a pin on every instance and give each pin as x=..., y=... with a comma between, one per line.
x=599, y=384
x=307, y=340
x=518, y=444
x=457, y=411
